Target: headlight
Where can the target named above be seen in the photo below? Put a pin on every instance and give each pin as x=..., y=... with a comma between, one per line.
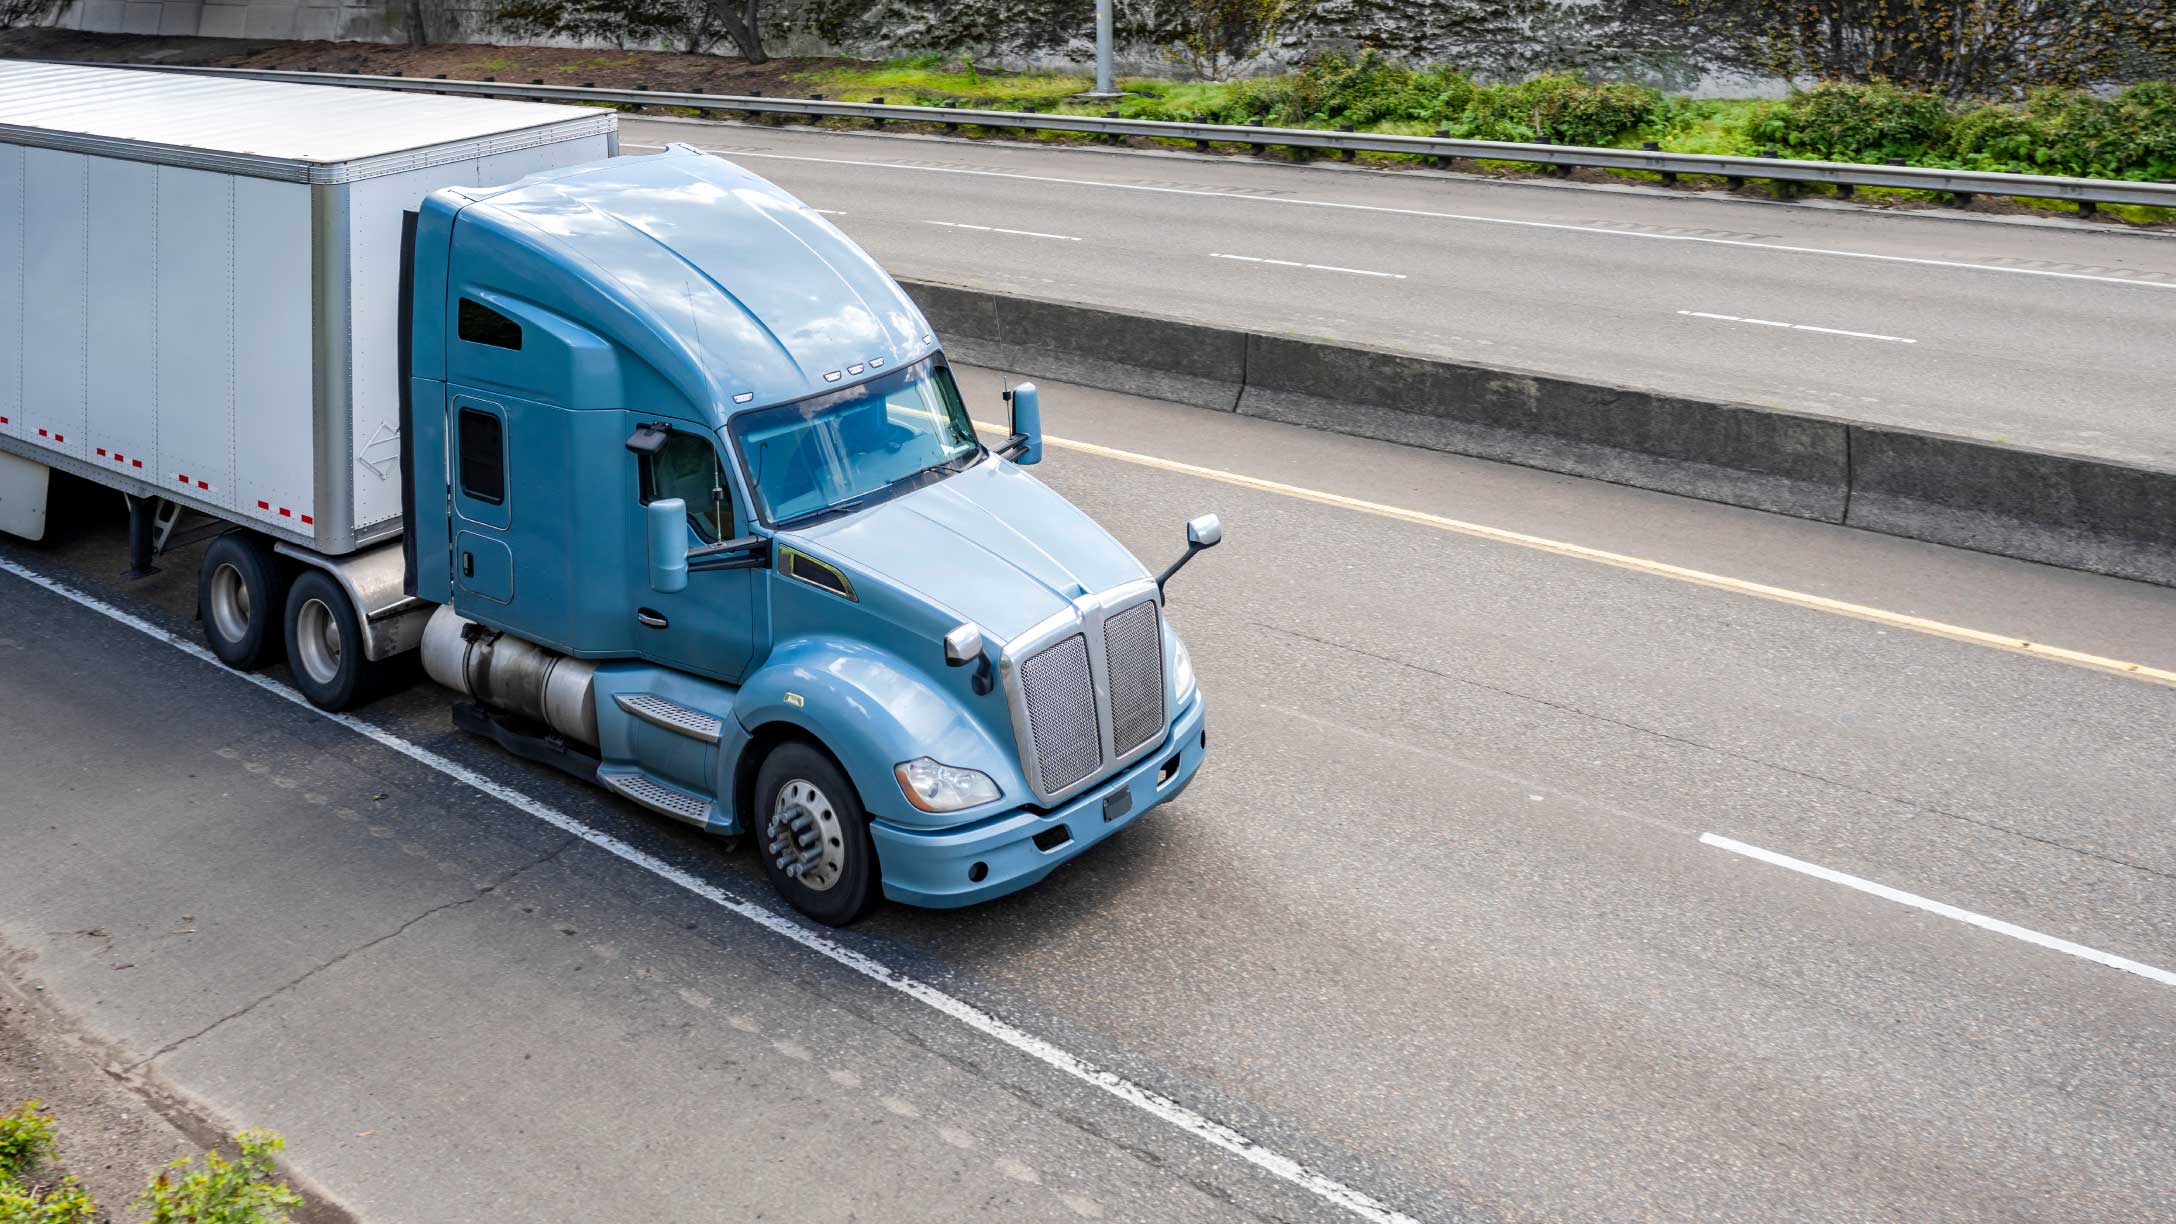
x=1182, y=670
x=935, y=787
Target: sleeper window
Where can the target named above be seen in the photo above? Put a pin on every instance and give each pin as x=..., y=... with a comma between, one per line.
x=483, y=456
x=479, y=324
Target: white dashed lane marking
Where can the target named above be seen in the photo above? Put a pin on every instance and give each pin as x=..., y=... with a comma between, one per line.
x=1804, y=327
x=1290, y=263
x=993, y=229
x=1915, y=901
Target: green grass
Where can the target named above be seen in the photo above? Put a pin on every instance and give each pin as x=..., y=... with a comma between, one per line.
x=1679, y=125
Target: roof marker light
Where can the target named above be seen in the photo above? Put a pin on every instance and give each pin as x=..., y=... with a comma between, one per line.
x=744, y=397
x=876, y=363
x=833, y=376
x=854, y=369
x=928, y=339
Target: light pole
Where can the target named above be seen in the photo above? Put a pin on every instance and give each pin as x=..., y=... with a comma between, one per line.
x=1102, y=46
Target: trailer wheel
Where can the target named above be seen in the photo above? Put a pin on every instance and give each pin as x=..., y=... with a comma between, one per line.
x=239, y=593
x=325, y=644
x=813, y=836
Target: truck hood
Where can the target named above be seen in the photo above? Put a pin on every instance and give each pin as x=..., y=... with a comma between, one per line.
x=992, y=545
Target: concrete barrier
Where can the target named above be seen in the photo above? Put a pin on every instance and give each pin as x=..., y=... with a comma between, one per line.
x=2076, y=512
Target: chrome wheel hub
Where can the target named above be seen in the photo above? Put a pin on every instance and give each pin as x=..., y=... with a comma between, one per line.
x=804, y=837
x=317, y=639
x=230, y=603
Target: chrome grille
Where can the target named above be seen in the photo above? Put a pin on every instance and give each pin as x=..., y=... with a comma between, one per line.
x=1133, y=653
x=1060, y=694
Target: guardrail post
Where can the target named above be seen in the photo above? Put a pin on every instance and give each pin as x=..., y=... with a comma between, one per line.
x=1344, y=154
x=1439, y=161
x=877, y=121
x=756, y=115
x=1845, y=191
x=1256, y=147
x=1669, y=177
x=1112, y=137
x=2087, y=208
x=950, y=104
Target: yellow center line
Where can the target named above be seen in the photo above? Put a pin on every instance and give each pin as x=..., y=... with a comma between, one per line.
x=1660, y=569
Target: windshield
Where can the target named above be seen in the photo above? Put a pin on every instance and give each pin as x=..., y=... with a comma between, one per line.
x=840, y=449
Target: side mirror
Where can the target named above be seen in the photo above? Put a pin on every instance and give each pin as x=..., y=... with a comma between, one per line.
x=962, y=646
x=1206, y=531
x=1025, y=446
x=667, y=522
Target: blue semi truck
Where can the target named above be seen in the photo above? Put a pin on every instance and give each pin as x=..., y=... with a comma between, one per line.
x=689, y=504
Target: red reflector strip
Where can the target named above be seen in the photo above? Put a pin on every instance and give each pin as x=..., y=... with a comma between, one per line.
x=101, y=452
x=3, y=420
x=43, y=434
x=136, y=463
x=307, y=519
x=181, y=478
x=201, y=485
x=264, y=505
x=286, y=513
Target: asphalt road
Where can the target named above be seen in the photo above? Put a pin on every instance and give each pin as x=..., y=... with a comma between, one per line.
x=1436, y=921
x=2052, y=336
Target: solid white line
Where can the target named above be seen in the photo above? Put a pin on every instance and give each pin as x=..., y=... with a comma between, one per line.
x=1804, y=327
x=1277, y=1165
x=1901, y=897
x=992, y=229
x=1290, y=263
x=1448, y=216
x=829, y=212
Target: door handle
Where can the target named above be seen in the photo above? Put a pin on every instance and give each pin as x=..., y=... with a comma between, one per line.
x=650, y=619
x=468, y=565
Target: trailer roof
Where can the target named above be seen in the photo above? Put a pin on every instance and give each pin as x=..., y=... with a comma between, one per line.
x=267, y=129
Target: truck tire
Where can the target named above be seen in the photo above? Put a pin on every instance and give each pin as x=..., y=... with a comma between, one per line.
x=239, y=595
x=807, y=812
x=325, y=644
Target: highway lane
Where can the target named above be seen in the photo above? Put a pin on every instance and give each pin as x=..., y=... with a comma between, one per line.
x=2041, y=335
x=1436, y=920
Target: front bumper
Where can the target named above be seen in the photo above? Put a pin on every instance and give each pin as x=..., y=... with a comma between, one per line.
x=939, y=869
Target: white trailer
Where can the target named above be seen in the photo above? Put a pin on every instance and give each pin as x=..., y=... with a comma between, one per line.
x=199, y=298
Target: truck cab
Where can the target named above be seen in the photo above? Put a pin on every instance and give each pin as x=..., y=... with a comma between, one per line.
x=711, y=525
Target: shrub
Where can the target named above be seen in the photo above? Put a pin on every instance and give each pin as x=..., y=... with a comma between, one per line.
x=26, y=1139
x=2132, y=135
x=223, y=1192
x=1560, y=107
x=26, y=1142
x=1834, y=121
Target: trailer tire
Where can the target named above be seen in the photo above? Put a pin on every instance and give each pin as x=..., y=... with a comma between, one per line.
x=240, y=593
x=325, y=644
x=799, y=779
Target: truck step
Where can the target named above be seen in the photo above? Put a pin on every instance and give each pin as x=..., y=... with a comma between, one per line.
x=672, y=716
x=661, y=797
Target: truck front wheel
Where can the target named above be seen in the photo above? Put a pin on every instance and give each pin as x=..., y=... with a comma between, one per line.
x=325, y=645
x=239, y=595
x=813, y=835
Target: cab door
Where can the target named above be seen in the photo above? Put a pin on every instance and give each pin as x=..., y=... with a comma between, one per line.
x=483, y=562
x=709, y=628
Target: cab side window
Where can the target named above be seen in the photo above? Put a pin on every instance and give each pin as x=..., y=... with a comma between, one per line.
x=687, y=467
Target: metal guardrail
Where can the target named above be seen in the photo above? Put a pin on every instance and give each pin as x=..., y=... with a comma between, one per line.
x=1844, y=176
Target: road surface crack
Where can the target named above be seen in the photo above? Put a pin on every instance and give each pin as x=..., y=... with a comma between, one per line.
x=481, y=891
x=1911, y=804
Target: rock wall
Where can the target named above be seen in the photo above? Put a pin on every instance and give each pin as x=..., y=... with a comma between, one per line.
x=1497, y=38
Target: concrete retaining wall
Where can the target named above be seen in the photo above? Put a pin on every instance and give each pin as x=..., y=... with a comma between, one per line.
x=2084, y=514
